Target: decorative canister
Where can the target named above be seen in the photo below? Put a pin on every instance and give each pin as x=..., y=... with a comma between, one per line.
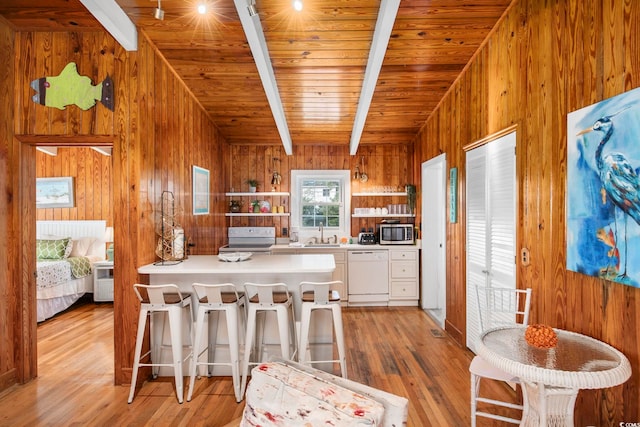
x=234, y=206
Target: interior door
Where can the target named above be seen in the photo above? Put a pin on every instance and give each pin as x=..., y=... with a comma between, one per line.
x=491, y=222
x=434, y=286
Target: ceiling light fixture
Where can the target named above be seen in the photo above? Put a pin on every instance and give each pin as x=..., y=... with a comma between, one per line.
x=384, y=26
x=115, y=21
x=202, y=8
x=159, y=13
x=297, y=5
x=258, y=45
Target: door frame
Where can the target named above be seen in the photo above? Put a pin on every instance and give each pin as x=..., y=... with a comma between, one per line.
x=470, y=299
x=434, y=267
x=26, y=194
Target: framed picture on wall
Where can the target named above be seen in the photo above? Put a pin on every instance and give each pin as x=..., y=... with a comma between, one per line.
x=603, y=189
x=200, y=191
x=55, y=192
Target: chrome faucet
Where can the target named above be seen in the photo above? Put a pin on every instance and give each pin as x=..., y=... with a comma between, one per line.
x=321, y=232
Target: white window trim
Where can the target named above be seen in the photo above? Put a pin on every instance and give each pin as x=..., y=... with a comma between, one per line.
x=345, y=203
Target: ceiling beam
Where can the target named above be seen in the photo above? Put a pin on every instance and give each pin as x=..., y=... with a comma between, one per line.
x=115, y=21
x=255, y=36
x=384, y=26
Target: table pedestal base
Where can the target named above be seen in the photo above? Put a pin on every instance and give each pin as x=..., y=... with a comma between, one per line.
x=548, y=406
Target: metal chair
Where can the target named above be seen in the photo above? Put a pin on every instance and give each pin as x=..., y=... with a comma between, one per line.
x=496, y=307
x=214, y=299
x=261, y=299
x=170, y=302
x=319, y=296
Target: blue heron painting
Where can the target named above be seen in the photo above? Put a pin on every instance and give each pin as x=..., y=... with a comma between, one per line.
x=603, y=189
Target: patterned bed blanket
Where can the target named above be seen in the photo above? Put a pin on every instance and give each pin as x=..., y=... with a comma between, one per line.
x=52, y=273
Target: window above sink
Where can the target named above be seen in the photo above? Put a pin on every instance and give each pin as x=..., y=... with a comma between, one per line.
x=320, y=196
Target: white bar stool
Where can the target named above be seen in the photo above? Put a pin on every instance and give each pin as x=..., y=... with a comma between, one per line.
x=260, y=299
x=213, y=299
x=319, y=296
x=168, y=301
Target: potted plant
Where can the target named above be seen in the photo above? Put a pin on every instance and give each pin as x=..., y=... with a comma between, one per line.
x=255, y=205
x=253, y=185
x=411, y=197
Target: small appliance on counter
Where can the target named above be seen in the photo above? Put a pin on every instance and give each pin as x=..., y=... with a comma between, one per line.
x=366, y=238
x=393, y=233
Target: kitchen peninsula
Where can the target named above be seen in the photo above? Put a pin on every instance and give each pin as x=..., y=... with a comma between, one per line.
x=290, y=269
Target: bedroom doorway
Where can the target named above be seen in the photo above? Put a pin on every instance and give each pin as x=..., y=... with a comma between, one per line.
x=28, y=168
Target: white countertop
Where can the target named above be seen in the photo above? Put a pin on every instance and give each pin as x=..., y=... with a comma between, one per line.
x=346, y=246
x=257, y=264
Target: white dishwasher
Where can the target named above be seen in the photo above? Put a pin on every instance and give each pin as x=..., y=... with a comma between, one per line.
x=368, y=277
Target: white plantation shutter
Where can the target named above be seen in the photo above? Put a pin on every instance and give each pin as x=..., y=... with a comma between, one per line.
x=491, y=208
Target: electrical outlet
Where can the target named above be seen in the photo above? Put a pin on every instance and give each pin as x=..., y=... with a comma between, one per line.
x=285, y=231
x=525, y=258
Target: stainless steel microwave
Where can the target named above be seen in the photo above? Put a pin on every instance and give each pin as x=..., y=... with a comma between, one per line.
x=395, y=234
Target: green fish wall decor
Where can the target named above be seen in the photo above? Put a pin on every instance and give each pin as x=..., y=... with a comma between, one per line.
x=69, y=88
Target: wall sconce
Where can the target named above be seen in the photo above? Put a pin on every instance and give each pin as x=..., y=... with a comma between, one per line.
x=159, y=13
x=363, y=175
x=276, y=179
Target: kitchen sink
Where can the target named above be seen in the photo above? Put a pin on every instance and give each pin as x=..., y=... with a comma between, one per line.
x=322, y=245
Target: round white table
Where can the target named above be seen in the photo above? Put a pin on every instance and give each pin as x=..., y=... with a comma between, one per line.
x=551, y=378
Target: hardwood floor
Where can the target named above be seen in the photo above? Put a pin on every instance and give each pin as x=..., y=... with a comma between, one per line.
x=388, y=348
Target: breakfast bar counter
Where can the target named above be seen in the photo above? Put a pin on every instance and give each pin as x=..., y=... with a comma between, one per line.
x=258, y=265
x=290, y=269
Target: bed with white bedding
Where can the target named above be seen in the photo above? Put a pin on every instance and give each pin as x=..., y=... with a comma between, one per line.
x=65, y=252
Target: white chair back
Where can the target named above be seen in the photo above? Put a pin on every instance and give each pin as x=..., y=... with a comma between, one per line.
x=266, y=292
x=216, y=294
x=502, y=306
x=321, y=290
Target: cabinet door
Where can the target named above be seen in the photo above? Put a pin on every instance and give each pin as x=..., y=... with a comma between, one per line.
x=490, y=213
x=340, y=273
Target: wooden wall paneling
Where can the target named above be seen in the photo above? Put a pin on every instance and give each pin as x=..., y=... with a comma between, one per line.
x=24, y=107
x=11, y=334
x=614, y=23
x=102, y=58
x=57, y=55
x=556, y=144
x=381, y=160
x=25, y=234
x=526, y=75
x=92, y=176
x=130, y=232
x=41, y=62
x=131, y=216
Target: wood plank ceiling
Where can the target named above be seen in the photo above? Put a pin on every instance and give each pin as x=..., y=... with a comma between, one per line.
x=319, y=58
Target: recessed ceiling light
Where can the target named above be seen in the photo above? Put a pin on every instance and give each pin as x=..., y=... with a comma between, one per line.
x=297, y=5
x=202, y=8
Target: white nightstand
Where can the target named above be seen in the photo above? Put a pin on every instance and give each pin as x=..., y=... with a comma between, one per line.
x=103, y=281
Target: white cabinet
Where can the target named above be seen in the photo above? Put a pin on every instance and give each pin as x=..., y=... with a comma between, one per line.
x=403, y=276
x=402, y=279
x=340, y=257
x=103, y=281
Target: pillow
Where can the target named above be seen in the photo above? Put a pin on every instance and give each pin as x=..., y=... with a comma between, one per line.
x=82, y=246
x=68, y=249
x=97, y=248
x=52, y=249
